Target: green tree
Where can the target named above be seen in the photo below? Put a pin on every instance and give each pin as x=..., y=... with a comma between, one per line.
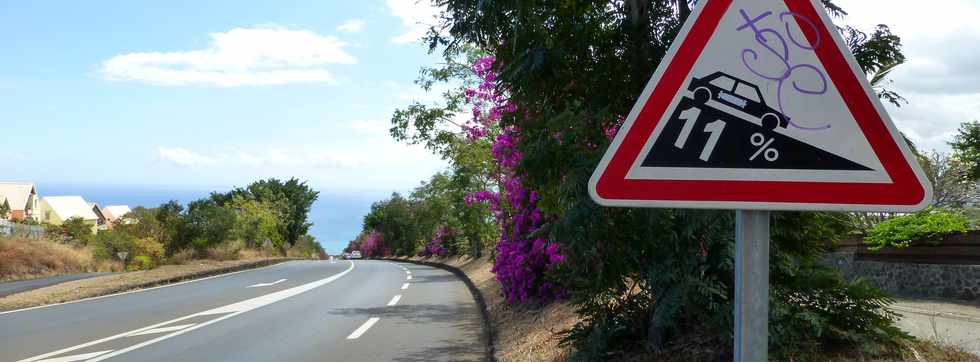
x=966, y=147
x=394, y=218
x=4, y=209
x=207, y=224
x=256, y=222
x=292, y=198
x=76, y=228
x=172, y=224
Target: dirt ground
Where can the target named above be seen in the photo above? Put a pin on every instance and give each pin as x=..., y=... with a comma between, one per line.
x=99, y=286
x=523, y=332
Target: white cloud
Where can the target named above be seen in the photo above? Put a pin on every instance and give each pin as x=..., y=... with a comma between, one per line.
x=416, y=15
x=267, y=55
x=352, y=26
x=941, y=77
x=183, y=157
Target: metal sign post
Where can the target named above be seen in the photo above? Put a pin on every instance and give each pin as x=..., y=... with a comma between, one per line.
x=751, y=285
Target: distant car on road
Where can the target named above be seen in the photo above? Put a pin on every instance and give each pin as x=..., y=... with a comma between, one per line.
x=355, y=254
x=739, y=94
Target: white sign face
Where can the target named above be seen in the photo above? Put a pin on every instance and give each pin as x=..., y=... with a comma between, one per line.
x=759, y=105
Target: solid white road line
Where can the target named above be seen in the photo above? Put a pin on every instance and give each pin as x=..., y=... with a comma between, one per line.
x=162, y=330
x=405, y=286
x=409, y=272
x=232, y=310
x=409, y=277
x=266, y=284
x=363, y=328
x=394, y=300
x=77, y=357
x=141, y=290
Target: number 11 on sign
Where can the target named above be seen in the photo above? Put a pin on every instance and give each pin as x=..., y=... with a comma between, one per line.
x=715, y=128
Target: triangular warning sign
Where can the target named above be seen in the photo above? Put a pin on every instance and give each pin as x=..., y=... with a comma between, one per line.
x=759, y=105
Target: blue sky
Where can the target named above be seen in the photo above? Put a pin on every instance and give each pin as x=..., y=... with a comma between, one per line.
x=212, y=93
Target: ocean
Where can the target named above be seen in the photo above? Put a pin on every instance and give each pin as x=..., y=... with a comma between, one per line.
x=336, y=215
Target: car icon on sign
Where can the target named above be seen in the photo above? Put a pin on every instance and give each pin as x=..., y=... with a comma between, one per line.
x=739, y=94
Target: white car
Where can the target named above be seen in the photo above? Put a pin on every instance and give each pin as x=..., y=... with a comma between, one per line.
x=355, y=254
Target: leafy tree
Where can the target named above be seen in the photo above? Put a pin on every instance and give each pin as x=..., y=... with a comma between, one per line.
x=951, y=181
x=4, y=209
x=76, y=228
x=172, y=226
x=393, y=220
x=256, y=222
x=292, y=198
x=966, y=147
x=207, y=224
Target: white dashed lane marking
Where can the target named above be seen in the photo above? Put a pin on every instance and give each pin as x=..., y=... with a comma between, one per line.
x=394, y=300
x=363, y=328
x=404, y=286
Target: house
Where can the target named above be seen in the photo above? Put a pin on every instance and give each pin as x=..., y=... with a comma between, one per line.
x=115, y=213
x=22, y=198
x=56, y=209
x=102, y=222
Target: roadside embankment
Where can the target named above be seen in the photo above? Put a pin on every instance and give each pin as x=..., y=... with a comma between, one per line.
x=116, y=283
x=532, y=333
x=519, y=332
x=24, y=258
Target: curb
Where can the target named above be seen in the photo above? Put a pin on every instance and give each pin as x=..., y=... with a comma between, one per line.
x=949, y=315
x=488, y=332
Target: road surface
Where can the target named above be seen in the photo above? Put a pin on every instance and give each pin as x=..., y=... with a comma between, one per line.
x=297, y=311
x=8, y=288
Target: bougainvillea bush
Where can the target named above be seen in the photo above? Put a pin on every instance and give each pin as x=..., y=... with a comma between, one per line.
x=523, y=258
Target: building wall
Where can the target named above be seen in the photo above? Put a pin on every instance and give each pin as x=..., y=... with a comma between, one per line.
x=17, y=215
x=946, y=281
x=47, y=215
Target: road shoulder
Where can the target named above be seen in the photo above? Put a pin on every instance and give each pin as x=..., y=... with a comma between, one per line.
x=127, y=282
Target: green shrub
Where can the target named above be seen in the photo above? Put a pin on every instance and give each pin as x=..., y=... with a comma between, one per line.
x=140, y=262
x=108, y=243
x=929, y=225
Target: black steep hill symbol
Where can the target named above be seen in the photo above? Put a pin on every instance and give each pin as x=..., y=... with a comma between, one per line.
x=738, y=144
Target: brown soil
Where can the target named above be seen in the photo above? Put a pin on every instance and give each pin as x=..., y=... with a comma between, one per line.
x=521, y=332
x=99, y=286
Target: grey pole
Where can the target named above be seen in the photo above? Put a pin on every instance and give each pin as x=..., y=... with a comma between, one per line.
x=751, y=285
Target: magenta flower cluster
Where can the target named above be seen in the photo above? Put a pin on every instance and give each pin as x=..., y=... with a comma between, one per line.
x=436, y=246
x=522, y=260
x=374, y=246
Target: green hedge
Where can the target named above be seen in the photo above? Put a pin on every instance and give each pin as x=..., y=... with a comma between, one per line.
x=928, y=226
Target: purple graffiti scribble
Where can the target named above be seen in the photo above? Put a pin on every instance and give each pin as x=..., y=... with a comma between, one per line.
x=775, y=43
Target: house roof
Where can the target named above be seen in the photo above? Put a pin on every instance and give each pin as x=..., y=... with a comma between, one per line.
x=16, y=193
x=115, y=211
x=70, y=206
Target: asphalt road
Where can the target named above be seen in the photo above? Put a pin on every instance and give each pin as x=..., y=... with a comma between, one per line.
x=296, y=311
x=8, y=288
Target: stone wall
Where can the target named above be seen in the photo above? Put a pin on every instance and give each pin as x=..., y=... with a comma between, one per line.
x=946, y=281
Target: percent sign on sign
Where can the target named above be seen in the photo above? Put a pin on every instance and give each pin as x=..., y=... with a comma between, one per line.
x=770, y=153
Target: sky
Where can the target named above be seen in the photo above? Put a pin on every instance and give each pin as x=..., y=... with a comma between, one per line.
x=211, y=94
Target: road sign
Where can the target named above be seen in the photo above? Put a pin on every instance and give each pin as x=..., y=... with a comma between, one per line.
x=760, y=105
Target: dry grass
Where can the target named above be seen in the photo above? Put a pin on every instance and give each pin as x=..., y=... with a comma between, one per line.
x=23, y=258
x=93, y=287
